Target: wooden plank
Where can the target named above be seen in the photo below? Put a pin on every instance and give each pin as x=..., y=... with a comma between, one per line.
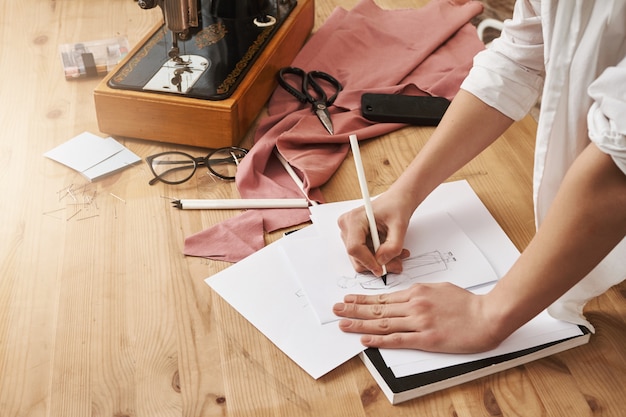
x=102, y=315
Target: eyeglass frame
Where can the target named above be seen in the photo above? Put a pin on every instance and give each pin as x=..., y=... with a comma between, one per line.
x=197, y=162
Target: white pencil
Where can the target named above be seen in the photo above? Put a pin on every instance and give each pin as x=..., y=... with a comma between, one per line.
x=244, y=203
x=369, y=212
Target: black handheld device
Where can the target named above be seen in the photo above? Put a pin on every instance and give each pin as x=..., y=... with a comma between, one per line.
x=397, y=108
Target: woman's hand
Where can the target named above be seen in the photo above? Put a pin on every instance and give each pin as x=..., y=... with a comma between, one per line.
x=392, y=225
x=431, y=317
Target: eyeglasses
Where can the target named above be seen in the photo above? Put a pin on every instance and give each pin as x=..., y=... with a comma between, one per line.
x=177, y=167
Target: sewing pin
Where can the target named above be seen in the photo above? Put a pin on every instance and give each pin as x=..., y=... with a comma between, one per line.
x=119, y=198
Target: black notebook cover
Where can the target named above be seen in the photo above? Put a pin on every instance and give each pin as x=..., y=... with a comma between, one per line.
x=412, y=386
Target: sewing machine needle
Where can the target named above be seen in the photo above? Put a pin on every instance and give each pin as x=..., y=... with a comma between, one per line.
x=174, y=53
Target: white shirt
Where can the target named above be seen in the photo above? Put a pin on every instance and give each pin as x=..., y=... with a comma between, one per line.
x=573, y=52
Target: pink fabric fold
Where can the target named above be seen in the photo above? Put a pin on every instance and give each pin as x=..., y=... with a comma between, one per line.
x=242, y=241
x=426, y=51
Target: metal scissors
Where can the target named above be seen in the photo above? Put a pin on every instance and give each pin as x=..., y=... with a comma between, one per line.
x=311, y=81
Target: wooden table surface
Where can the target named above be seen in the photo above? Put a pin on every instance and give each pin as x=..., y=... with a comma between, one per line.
x=102, y=315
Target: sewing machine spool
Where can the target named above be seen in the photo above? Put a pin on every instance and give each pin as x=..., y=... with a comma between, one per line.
x=219, y=110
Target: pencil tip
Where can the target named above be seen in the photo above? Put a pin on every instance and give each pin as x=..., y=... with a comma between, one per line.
x=384, y=277
x=177, y=204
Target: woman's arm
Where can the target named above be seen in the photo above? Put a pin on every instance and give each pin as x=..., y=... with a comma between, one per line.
x=586, y=220
x=468, y=127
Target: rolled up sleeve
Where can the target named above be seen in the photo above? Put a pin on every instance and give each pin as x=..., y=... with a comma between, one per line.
x=509, y=74
x=607, y=116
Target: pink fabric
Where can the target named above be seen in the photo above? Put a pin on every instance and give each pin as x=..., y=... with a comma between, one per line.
x=208, y=245
x=425, y=51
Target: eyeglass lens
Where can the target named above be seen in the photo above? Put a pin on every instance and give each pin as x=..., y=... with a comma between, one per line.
x=223, y=162
x=173, y=167
x=177, y=167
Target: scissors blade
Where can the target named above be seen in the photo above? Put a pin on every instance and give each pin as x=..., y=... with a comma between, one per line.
x=324, y=116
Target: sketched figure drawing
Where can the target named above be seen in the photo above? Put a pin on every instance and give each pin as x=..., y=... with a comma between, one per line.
x=414, y=267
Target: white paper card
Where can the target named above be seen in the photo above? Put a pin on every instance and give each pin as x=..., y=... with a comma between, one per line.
x=92, y=155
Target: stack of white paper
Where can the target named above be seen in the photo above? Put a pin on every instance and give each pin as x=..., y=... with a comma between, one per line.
x=93, y=156
x=452, y=237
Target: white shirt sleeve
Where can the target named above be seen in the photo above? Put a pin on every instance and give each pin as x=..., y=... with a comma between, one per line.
x=606, y=119
x=509, y=74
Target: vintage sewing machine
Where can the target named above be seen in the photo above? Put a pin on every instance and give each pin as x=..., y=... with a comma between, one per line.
x=203, y=74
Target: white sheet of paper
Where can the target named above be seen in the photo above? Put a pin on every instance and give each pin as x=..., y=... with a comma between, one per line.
x=114, y=163
x=440, y=252
x=92, y=155
x=262, y=289
x=265, y=279
x=84, y=151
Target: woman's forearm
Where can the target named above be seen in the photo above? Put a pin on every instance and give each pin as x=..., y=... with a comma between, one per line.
x=586, y=220
x=467, y=128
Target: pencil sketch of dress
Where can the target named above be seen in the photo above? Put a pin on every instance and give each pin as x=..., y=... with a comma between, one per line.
x=413, y=267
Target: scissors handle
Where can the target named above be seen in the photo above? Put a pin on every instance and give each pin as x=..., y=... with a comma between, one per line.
x=310, y=80
x=297, y=93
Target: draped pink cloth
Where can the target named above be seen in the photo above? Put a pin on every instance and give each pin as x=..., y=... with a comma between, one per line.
x=426, y=51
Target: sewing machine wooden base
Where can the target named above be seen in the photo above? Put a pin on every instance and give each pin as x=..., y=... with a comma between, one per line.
x=198, y=122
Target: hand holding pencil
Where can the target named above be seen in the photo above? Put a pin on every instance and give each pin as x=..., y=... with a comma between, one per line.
x=356, y=232
x=369, y=212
